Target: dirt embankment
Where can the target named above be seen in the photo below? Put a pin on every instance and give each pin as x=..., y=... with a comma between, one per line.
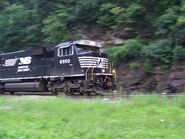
x=158, y=79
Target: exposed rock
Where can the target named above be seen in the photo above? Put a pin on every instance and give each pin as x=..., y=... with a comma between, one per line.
x=178, y=75
x=172, y=80
x=118, y=41
x=99, y=34
x=176, y=78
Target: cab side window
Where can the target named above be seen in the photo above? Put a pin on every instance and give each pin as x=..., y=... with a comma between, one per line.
x=65, y=51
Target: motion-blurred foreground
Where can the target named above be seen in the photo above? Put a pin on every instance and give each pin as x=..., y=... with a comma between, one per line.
x=55, y=117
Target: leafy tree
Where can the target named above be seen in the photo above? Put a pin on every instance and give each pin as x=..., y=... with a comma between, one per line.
x=132, y=49
x=34, y=23
x=179, y=53
x=17, y=28
x=161, y=50
x=3, y=4
x=166, y=22
x=86, y=10
x=178, y=32
x=55, y=26
x=106, y=17
x=181, y=18
x=133, y=11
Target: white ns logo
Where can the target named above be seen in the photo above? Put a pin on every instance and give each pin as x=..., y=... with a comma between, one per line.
x=25, y=60
x=99, y=64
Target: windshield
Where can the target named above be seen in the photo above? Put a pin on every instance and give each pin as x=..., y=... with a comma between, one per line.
x=85, y=48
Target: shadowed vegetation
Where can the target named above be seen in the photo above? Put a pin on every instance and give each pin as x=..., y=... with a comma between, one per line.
x=35, y=23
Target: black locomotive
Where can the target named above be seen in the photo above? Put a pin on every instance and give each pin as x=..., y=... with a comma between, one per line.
x=70, y=67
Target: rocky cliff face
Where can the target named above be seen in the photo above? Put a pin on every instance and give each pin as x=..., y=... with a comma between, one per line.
x=103, y=35
x=159, y=80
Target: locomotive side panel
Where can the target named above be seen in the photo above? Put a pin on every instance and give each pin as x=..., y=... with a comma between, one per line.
x=37, y=66
x=66, y=62
x=23, y=65
x=23, y=71
x=16, y=64
x=48, y=63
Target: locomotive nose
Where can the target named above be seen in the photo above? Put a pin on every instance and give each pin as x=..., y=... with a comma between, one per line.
x=93, y=62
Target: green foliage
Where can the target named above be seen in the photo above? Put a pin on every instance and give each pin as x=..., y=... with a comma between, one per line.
x=86, y=10
x=112, y=15
x=108, y=13
x=160, y=50
x=55, y=30
x=113, y=54
x=171, y=24
x=55, y=27
x=133, y=66
x=17, y=28
x=132, y=12
x=3, y=4
x=34, y=23
x=179, y=53
x=132, y=49
x=165, y=23
x=147, y=66
x=181, y=18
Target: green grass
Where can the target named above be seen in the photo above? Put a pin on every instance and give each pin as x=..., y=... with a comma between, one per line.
x=61, y=118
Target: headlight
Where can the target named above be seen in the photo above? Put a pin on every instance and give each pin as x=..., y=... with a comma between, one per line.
x=82, y=70
x=103, y=70
x=113, y=71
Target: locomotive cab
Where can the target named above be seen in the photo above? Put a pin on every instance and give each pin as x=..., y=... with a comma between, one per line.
x=81, y=49
x=98, y=70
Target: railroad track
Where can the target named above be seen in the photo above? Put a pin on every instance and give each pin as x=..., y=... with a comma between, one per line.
x=28, y=93
x=93, y=96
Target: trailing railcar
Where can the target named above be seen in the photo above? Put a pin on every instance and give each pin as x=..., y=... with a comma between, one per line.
x=70, y=67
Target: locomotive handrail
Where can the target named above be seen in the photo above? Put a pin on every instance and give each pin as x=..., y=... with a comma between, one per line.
x=92, y=77
x=88, y=70
x=110, y=67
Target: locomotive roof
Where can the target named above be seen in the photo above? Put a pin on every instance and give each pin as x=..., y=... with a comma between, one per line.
x=65, y=44
x=80, y=42
x=9, y=53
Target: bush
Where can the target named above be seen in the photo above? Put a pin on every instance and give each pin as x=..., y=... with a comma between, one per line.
x=178, y=53
x=131, y=49
x=147, y=66
x=112, y=54
x=106, y=18
x=133, y=66
x=161, y=50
